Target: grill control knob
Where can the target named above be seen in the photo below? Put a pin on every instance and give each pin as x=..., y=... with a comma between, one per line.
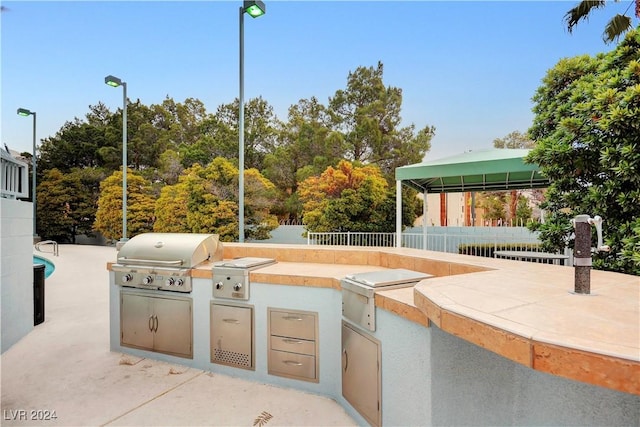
x=147, y=280
x=237, y=287
x=219, y=285
x=127, y=278
x=170, y=281
x=179, y=282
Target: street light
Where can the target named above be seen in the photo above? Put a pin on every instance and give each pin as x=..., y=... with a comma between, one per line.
x=254, y=8
x=24, y=113
x=115, y=82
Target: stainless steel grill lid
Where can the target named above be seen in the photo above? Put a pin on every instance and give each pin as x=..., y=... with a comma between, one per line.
x=180, y=250
x=382, y=278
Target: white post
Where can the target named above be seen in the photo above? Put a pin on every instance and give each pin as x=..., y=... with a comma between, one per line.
x=425, y=210
x=398, y=214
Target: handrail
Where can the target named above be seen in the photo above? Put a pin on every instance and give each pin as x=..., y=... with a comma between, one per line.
x=48, y=242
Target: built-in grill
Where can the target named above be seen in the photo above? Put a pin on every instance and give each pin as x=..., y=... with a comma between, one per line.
x=358, y=292
x=164, y=261
x=231, y=277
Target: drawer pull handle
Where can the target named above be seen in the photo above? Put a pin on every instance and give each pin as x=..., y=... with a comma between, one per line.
x=291, y=363
x=297, y=318
x=346, y=359
x=290, y=341
x=230, y=320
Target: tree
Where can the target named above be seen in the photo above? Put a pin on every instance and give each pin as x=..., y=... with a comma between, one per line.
x=306, y=146
x=83, y=143
x=367, y=114
x=140, y=206
x=513, y=140
x=260, y=136
x=205, y=200
x=67, y=203
x=350, y=197
x=616, y=27
x=587, y=128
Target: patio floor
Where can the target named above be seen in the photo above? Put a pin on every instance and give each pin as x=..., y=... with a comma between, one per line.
x=64, y=368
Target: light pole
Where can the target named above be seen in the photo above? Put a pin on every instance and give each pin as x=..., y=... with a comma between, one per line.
x=254, y=8
x=24, y=112
x=115, y=82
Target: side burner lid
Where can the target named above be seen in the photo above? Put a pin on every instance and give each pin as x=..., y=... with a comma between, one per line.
x=245, y=262
x=390, y=277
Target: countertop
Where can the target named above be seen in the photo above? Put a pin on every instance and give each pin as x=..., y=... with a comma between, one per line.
x=523, y=311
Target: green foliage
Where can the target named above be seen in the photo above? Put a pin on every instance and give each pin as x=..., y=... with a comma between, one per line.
x=350, y=197
x=616, y=27
x=140, y=206
x=66, y=204
x=361, y=122
x=587, y=128
x=493, y=204
x=523, y=210
x=205, y=200
x=367, y=114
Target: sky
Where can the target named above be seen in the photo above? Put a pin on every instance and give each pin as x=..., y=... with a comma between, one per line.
x=468, y=68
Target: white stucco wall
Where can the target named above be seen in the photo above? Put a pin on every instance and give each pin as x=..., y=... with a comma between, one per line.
x=16, y=250
x=473, y=386
x=429, y=377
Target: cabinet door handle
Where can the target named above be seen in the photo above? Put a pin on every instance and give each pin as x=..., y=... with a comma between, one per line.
x=291, y=363
x=346, y=359
x=297, y=318
x=230, y=320
x=290, y=341
x=150, y=323
x=156, y=327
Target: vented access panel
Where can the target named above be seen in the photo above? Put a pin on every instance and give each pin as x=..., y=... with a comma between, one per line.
x=232, y=335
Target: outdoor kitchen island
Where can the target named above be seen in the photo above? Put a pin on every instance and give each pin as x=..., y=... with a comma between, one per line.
x=484, y=342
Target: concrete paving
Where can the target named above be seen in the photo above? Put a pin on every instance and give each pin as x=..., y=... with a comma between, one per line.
x=63, y=373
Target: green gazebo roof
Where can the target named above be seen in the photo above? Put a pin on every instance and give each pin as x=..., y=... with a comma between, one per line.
x=487, y=170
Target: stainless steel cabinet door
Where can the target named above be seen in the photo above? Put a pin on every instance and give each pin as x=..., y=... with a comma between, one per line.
x=173, y=329
x=232, y=335
x=361, y=384
x=136, y=321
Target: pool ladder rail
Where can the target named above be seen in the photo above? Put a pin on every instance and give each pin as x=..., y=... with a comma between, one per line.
x=47, y=242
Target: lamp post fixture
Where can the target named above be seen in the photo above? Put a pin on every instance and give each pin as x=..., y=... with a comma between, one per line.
x=24, y=113
x=115, y=82
x=254, y=8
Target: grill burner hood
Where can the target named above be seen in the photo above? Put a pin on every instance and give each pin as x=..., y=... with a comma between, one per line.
x=164, y=261
x=178, y=250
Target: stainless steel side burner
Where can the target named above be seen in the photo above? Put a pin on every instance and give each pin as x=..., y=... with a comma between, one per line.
x=231, y=277
x=358, y=292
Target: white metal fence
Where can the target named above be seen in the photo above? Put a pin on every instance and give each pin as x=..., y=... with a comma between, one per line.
x=481, y=241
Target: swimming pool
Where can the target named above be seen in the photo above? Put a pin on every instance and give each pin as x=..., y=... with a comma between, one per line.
x=48, y=265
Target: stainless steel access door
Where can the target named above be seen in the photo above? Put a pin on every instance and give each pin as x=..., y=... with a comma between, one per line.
x=361, y=379
x=153, y=321
x=232, y=335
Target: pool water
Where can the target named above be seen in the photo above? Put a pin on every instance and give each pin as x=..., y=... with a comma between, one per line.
x=48, y=265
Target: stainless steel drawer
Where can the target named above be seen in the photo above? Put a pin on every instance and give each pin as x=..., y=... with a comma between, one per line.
x=293, y=345
x=293, y=324
x=292, y=365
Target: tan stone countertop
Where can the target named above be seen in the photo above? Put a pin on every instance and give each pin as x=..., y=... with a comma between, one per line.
x=523, y=311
